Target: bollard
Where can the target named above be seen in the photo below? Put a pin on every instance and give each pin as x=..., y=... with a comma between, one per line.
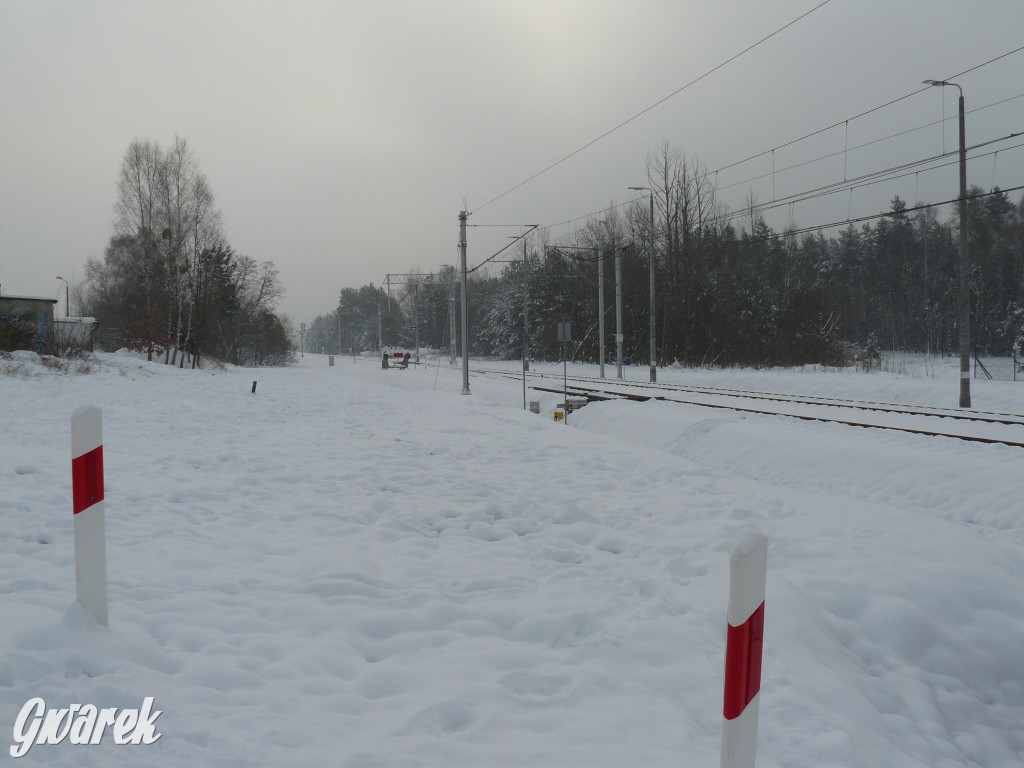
x=747, y=571
x=87, y=503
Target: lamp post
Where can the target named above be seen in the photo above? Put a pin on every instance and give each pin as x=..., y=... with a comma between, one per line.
x=449, y=272
x=964, y=295
x=618, y=306
x=463, y=215
x=600, y=294
x=339, y=330
x=650, y=257
x=67, y=299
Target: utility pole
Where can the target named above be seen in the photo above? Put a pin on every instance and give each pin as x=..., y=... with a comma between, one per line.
x=526, y=317
x=964, y=298
x=465, y=310
x=650, y=258
x=526, y=365
x=302, y=343
x=448, y=275
x=416, y=317
x=380, y=329
x=618, y=306
x=654, y=346
x=451, y=321
x=453, y=352
x=600, y=302
x=565, y=336
x=67, y=296
x=526, y=311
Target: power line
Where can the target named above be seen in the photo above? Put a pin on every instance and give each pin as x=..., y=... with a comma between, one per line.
x=872, y=217
x=846, y=184
x=865, y=144
x=588, y=215
x=505, y=248
x=490, y=258
x=822, y=227
x=790, y=200
x=652, y=106
x=797, y=197
x=875, y=177
x=838, y=186
x=864, y=113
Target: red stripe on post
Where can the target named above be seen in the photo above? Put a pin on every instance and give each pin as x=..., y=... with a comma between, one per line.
x=743, y=663
x=87, y=479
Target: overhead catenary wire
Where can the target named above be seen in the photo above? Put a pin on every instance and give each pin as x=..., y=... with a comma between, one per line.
x=497, y=253
x=866, y=112
x=846, y=184
x=845, y=222
x=656, y=104
x=588, y=215
x=860, y=146
x=875, y=177
x=871, y=217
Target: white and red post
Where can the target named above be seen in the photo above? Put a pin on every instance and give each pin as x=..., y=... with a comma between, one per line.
x=747, y=571
x=90, y=534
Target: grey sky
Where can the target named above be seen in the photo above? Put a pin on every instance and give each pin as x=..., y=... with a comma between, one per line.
x=341, y=138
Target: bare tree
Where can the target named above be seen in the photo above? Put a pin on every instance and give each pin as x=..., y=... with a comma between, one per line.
x=136, y=207
x=192, y=225
x=164, y=218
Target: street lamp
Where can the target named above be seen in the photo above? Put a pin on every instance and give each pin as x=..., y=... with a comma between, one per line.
x=449, y=275
x=650, y=256
x=463, y=215
x=67, y=300
x=600, y=297
x=964, y=296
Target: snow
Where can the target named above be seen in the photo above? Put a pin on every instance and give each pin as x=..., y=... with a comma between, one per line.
x=356, y=567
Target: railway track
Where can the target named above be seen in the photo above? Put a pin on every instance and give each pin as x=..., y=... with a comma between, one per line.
x=1003, y=428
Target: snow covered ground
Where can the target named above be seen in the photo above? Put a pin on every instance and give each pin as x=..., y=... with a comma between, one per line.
x=361, y=568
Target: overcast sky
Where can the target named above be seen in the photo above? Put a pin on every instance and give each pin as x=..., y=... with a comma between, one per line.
x=341, y=139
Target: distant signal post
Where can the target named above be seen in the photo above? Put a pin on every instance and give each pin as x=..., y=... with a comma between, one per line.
x=87, y=502
x=747, y=571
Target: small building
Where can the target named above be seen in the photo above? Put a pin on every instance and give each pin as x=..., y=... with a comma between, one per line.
x=26, y=322
x=74, y=333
